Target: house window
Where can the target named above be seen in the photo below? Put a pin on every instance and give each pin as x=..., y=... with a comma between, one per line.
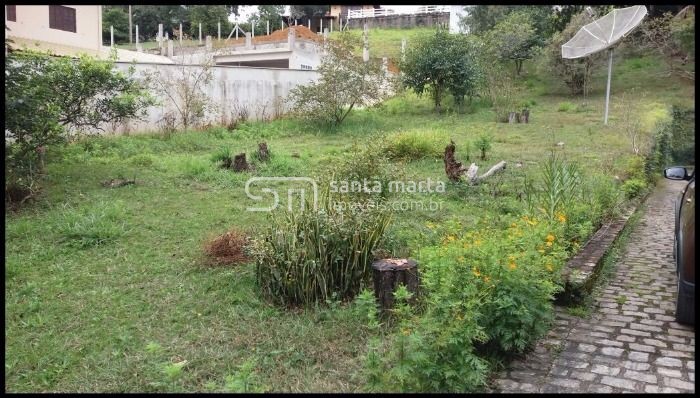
x=62, y=18
x=11, y=13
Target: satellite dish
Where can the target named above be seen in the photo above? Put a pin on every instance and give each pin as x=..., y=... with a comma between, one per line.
x=602, y=34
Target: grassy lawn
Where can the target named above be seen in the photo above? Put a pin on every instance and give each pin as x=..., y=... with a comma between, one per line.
x=111, y=316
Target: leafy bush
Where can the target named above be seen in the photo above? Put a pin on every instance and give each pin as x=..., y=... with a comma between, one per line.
x=311, y=256
x=43, y=101
x=634, y=187
x=344, y=82
x=416, y=145
x=364, y=163
x=488, y=292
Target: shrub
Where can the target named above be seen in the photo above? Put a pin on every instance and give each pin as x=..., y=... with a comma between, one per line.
x=344, y=83
x=43, y=102
x=560, y=185
x=488, y=292
x=416, y=145
x=228, y=249
x=364, y=163
x=634, y=187
x=483, y=144
x=312, y=256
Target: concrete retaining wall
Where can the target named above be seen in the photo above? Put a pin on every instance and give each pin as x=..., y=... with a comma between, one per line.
x=260, y=91
x=402, y=21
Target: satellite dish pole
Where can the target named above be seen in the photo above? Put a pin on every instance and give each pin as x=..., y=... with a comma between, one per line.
x=607, y=91
x=603, y=34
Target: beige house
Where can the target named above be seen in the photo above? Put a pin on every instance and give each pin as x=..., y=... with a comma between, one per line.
x=65, y=30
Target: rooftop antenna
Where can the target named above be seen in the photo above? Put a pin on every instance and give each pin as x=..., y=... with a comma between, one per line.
x=603, y=34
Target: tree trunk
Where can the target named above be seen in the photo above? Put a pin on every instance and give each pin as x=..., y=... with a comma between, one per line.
x=511, y=117
x=239, y=163
x=388, y=274
x=453, y=168
x=263, y=152
x=525, y=116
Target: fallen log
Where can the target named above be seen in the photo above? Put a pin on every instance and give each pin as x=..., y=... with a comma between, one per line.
x=474, y=179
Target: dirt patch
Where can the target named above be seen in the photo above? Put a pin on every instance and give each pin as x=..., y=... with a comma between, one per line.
x=228, y=249
x=301, y=32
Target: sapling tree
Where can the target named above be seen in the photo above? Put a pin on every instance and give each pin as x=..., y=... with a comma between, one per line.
x=345, y=82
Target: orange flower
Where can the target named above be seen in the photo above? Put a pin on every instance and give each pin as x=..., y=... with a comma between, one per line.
x=549, y=244
x=487, y=279
x=550, y=238
x=476, y=272
x=512, y=265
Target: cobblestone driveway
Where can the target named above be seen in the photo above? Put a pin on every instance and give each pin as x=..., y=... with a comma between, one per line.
x=631, y=343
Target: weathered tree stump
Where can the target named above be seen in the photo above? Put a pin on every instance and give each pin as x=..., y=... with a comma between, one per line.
x=525, y=116
x=512, y=117
x=453, y=168
x=263, y=153
x=388, y=274
x=239, y=163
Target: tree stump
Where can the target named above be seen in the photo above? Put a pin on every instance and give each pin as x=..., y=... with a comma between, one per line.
x=453, y=168
x=388, y=273
x=263, y=152
x=239, y=163
x=525, y=116
x=512, y=117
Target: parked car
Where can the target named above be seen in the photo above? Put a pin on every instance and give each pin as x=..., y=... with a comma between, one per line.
x=684, y=243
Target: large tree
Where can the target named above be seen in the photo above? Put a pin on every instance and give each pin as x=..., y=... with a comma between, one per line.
x=442, y=63
x=267, y=13
x=208, y=16
x=514, y=39
x=482, y=18
x=117, y=17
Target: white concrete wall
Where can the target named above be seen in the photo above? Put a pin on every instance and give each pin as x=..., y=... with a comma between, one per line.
x=32, y=26
x=261, y=91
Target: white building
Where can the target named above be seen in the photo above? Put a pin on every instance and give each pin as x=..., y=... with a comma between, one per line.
x=65, y=30
x=291, y=48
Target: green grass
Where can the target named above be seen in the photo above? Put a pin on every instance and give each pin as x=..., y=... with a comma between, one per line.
x=385, y=42
x=106, y=289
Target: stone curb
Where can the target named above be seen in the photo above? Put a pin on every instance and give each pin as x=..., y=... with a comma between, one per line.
x=582, y=271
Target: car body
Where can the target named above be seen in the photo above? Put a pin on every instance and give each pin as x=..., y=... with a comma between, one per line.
x=684, y=243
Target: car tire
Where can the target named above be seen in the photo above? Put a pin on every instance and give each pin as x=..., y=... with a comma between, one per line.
x=685, y=304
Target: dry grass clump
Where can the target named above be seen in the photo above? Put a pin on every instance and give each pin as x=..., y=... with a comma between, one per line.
x=228, y=249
